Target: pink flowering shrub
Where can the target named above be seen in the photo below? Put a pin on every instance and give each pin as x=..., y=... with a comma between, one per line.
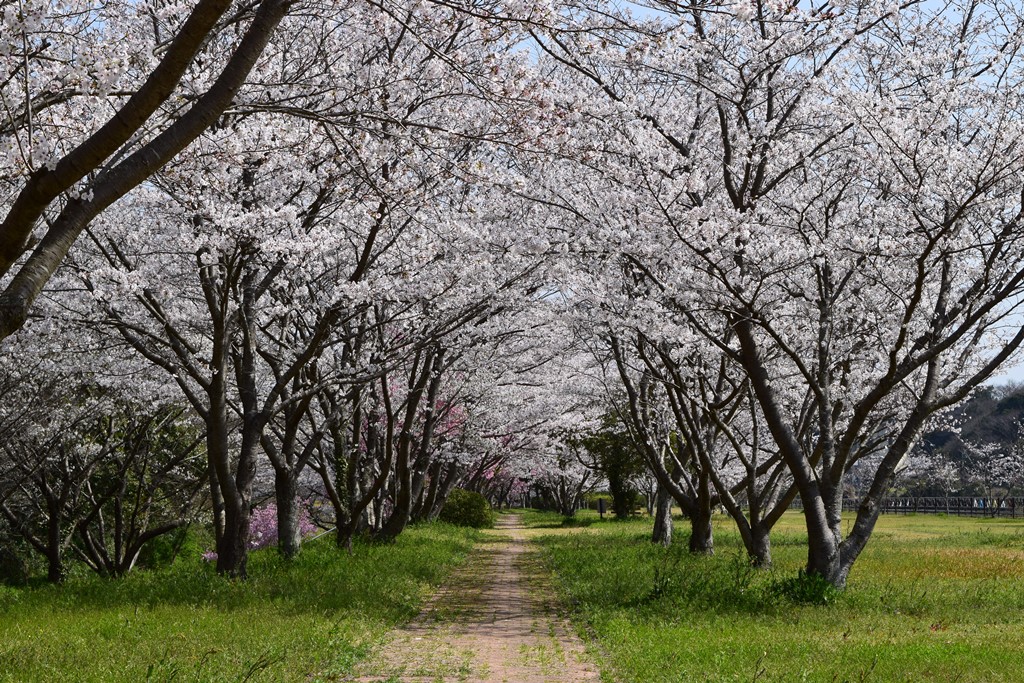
x=263, y=526
x=263, y=529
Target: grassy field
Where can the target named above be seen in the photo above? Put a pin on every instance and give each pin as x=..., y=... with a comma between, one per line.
x=931, y=599
x=309, y=620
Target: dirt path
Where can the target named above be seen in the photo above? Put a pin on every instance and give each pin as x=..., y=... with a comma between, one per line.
x=493, y=622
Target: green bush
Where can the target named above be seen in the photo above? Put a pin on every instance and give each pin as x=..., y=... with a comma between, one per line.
x=185, y=543
x=467, y=508
x=14, y=570
x=808, y=589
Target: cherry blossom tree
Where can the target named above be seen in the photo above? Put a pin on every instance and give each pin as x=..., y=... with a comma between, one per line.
x=65, y=62
x=96, y=461
x=837, y=187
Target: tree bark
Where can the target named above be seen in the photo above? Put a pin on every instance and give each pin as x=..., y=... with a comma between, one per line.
x=759, y=549
x=289, y=532
x=662, y=517
x=233, y=550
x=55, y=570
x=702, y=540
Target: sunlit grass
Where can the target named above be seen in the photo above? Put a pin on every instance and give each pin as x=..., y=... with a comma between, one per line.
x=931, y=599
x=308, y=620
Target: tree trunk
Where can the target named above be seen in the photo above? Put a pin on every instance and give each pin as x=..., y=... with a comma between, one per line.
x=662, y=518
x=55, y=572
x=451, y=478
x=620, y=498
x=233, y=550
x=289, y=534
x=702, y=539
x=759, y=548
x=401, y=513
x=429, y=495
x=216, y=503
x=568, y=506
x=824, y=536
x=418, y=492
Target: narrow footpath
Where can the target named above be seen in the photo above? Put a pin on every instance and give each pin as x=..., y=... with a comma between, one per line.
x=494, y=622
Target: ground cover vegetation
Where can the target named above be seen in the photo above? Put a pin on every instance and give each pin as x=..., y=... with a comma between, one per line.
x=311, y=619
x=935, y=599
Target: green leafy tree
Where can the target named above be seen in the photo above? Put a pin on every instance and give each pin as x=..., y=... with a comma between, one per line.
x=612, y=453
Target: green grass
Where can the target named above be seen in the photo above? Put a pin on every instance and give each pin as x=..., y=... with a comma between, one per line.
x=931, y=599
x=308, y=620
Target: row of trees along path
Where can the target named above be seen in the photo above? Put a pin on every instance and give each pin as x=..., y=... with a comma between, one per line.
x=495, y=620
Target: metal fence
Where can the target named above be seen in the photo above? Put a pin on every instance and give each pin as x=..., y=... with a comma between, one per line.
x=962, y=506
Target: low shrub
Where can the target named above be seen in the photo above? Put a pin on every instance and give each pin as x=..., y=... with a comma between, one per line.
x=804, y=588
x=184, y=543
x=14, y=570
x=467, y=508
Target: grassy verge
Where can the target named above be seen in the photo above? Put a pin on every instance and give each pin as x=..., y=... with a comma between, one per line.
x=308, y=620
x=931, y=599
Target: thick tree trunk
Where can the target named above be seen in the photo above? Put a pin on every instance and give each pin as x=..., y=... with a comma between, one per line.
x=216, y=503
x=662, y=518
x=418, y=492
x=429, y=494
x=822, y=517
x=233, y=550
x=702, y=539
x=402, y=512
x=759, y=548
x=26, y=285
x=567, y=505
x=55, y=566
x=289, y=533
x=620, y=498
